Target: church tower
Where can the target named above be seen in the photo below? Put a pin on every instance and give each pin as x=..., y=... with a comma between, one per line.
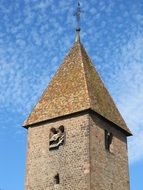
x=77, y=139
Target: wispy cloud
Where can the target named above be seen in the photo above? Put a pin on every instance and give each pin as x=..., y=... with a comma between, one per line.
x=127, y=87
x=35, y=35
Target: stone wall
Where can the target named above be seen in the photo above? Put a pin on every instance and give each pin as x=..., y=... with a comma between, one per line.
x=109, y=170
x=82, y=162
x=70, y=161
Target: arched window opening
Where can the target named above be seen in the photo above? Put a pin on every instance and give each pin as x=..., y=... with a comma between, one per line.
x=53, y=130
x=61, y=128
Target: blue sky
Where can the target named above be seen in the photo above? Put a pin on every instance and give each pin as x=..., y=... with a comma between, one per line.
x=35, y=35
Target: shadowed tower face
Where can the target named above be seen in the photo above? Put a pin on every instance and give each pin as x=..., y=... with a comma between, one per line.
x=77, y=139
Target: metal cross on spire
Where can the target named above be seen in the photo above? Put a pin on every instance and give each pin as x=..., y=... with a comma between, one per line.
x=78, y=16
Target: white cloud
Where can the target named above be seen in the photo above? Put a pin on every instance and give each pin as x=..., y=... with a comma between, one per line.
x=127, y=87
x=35, y=38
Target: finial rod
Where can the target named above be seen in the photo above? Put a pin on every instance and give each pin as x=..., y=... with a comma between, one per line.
x=78, y=16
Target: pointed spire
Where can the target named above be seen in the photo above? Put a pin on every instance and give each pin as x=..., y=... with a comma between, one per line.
x=74, y=88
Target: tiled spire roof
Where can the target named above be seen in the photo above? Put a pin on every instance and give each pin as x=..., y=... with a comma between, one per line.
x=76, y=86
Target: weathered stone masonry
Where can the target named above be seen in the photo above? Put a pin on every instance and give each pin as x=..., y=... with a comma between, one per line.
x=77, y=139
x=71, y=160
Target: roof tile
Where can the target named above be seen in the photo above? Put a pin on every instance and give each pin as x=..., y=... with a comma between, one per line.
x=76, y=86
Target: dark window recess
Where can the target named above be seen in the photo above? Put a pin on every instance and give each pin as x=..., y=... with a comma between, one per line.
x=61, y=128
x=57, y=137
x=111, y=186
x=57, y=179
x=108, y=140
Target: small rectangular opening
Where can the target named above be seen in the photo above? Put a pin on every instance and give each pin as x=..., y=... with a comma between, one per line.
x=56, y=179
x=108, y=140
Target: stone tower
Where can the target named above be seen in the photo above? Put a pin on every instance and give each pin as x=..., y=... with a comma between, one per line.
x=77, y=139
